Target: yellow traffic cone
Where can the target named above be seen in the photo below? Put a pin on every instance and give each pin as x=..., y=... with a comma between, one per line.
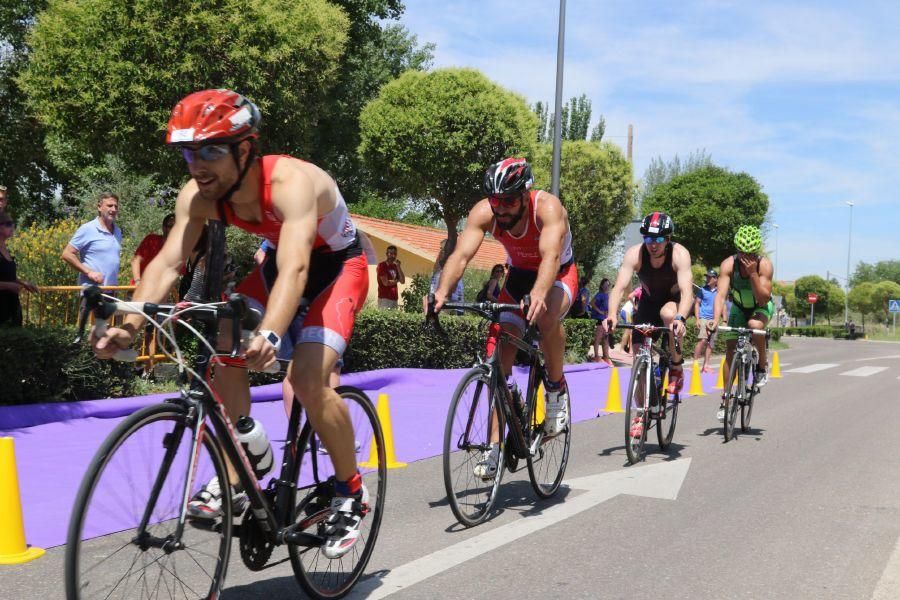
x=540, y=410
x=775, y=367
x=696, y=382
x=384, y=415
x=720, y=382
x=613, y=393
x=13, y=549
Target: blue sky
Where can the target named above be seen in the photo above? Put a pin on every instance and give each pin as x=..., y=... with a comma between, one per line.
x=804, y=96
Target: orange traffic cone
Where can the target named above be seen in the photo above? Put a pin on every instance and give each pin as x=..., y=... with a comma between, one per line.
x=13, y=549
x=720, y=382
x=384, y=415
x=613, y=393
x=696, y=382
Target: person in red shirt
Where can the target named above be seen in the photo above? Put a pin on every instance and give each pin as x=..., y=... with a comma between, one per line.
x=389, y=275
x=149, y=248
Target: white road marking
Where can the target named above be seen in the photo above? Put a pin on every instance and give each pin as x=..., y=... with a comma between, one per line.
x=888, y=587
x=878, y=357
x=661, y=480
x=864, y=371
x=812, y=368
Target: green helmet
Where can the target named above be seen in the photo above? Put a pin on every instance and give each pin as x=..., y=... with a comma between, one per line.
x=748, y=239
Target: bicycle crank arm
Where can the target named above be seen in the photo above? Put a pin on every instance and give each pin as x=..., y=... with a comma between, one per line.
x=301, y=538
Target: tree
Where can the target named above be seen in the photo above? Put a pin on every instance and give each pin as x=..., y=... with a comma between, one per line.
x=575, y=120
x=708, y=206
x=599, y=130
x=659, y=171
x=863, y=299
x=835, y=306
x=884, y=270
x=595, y=188
x=885, y=291
x=816, y=285
x=431, y=136
x=103, y=76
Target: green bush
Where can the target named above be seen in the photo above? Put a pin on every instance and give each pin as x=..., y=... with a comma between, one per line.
x=805, y=331
x=43, y=365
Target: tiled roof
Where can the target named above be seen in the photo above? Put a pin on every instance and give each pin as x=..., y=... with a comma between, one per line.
x=426, y=241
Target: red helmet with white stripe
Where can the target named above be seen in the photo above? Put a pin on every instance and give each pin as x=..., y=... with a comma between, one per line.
x=212, y=117
x=509, y=176
x=657, y=224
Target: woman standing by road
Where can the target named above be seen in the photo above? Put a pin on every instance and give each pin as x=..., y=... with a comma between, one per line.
x=10, y=284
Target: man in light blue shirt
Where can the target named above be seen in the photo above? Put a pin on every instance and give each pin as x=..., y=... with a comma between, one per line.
x=704, y=300
x=95, y=248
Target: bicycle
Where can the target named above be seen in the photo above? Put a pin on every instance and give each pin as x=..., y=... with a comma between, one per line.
x=737, y=392
x=130, y=536
x=645, y=394
x=483, y=405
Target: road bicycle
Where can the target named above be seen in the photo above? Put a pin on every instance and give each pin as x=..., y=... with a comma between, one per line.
x=130, y=535
x=648, y=404
x=740, y=388
x=484, y=409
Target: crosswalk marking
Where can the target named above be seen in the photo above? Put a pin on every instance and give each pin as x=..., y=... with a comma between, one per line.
x=864, y=371
x=812, y=368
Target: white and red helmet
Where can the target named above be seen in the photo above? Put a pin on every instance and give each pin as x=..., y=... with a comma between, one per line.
x=509, y=176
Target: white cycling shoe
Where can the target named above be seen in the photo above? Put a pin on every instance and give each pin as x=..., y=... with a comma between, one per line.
x=557, y=415
x=486, y=468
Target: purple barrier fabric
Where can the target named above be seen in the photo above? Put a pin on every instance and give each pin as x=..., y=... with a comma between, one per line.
x=53, y=456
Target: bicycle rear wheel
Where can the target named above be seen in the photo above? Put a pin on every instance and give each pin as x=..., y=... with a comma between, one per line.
x=733, y=396
x=106, y=554
x=321, y=577
x=636, y=411
x=473, y=411
x=547, y=467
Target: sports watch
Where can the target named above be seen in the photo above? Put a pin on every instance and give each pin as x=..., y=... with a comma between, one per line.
x=272, y=338
x=680, y=318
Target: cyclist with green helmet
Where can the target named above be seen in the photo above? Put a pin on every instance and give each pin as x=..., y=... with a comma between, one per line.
x=745, y=277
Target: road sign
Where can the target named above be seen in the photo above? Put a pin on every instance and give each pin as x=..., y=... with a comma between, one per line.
x=894, y=306
x=812, y=298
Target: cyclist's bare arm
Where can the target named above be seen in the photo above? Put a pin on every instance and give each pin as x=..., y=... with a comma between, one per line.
x=724, y=285
x=761, y=282
x=681, y=262
x=623, y=281
x=467, y=244
x=554, y=226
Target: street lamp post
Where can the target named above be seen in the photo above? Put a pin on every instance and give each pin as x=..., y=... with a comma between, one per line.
x=849, y=239
x=775, y=276
x=557, y=118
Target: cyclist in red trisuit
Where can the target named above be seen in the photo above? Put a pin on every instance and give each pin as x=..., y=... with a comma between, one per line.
x=313, y=281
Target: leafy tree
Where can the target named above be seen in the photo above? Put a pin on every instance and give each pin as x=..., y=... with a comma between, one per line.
x=599, y=130
x=863, y=299
x=812, y=284
x=431, y=135
x=595, y=187
x=884, y=270
x=371, y=204
x=885, y=291
x=835, y=306
x=708, y=206
x=102, y=76
x=576, y=119
x=659, y=171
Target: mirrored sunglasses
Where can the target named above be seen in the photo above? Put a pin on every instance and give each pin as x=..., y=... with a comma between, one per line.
x=506, y=201
x=210, y=153
x=654, y=240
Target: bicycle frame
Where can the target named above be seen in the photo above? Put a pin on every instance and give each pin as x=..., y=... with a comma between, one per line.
x=645, y=354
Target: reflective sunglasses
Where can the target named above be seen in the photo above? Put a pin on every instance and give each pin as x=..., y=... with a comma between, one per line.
x=654, y=240
x=505, y=201
x=210, y=153
x=8, y=223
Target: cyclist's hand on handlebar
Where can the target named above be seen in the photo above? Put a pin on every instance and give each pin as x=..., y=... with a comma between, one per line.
x=260, y=353
x=712, y=325
x=113, y=340
x=537, y=307
x=611, y=322
x=439, y=301
x=678, y=327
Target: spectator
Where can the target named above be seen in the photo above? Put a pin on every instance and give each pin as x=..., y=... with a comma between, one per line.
x=260, y=256
x=94, y=249
x=582, y=301
x=625, y=316
x=704, y=300
x=10, y=285
x=389, y=274
x=490, y=291
x=599, y=309
x=458, y=293
x=3, y=200
x=149, y=248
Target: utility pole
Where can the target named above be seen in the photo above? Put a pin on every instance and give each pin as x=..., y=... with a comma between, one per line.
x=630, y=141
x=557, y=118
x=849, y=239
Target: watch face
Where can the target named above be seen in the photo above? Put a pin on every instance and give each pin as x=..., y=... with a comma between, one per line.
x=273, y=338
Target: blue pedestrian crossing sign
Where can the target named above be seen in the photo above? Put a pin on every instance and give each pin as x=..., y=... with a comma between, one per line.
x=894, y=306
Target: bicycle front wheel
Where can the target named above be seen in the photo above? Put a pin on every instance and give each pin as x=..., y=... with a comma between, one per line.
x=665, y=425
x=733, y=396
x=637, y=411
x=547, y=467
x=474, y=425
x=321, y=577
x=139, y=473
x=747, y=408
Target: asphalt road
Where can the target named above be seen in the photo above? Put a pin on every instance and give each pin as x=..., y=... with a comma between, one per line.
x=806, y=505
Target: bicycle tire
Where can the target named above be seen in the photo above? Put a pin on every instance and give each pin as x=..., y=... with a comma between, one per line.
x=108, y=529
x=471, y=498
x=665, y=427
x=733, y=395
x=747, y=408
x=635, y=448
x=321, y=577
x=547, y=469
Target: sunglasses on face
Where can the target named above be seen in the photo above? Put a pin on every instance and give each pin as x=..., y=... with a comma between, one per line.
x=654, y=240
x=505, y=201
x=210, y=153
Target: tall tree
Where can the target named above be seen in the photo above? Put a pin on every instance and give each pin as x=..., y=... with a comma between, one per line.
x=708, y=206
x=595, y=187
x=659, y=171
x=575, y=121
x=825, y=301
x=599, y=130
x=433, y=134
x=883, y=270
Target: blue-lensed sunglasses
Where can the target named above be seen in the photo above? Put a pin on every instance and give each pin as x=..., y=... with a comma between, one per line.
x=654, y=240
x=210, y=153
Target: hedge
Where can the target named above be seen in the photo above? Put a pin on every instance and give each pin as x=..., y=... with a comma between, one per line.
x=43, y=365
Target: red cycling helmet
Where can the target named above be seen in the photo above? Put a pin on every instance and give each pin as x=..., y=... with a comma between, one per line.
x=212, y=117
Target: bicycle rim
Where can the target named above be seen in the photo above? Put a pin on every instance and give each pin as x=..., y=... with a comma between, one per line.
x=747, y=410
x=547, y=467
x=734, y=392
x=321, y=577
x=636, y=408
x=103, y=555
x=665, y=428
x=467, y=435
